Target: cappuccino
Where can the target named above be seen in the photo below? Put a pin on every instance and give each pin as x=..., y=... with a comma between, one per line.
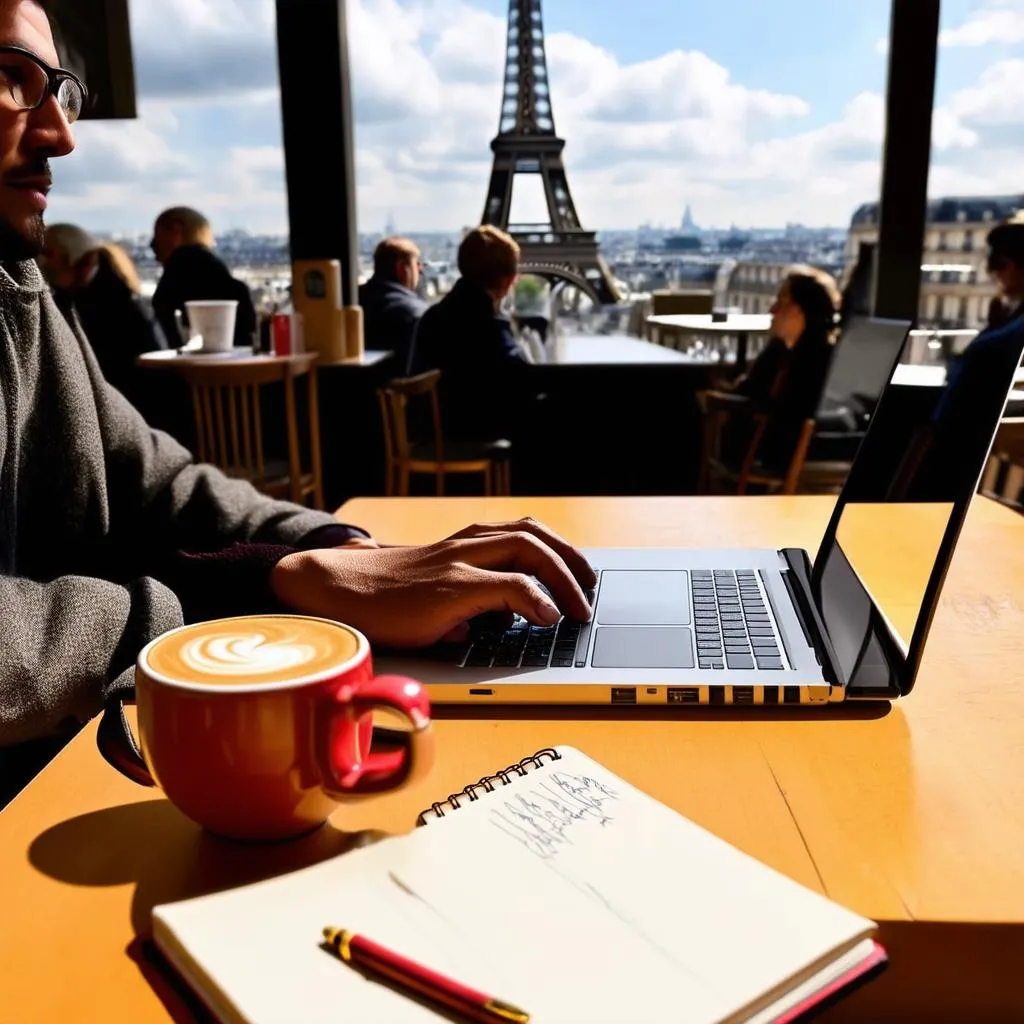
x=252, y=650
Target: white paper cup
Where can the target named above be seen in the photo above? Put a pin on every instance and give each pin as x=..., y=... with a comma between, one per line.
x=213, y=320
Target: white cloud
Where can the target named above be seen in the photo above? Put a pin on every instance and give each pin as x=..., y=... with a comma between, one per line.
x=993, y=24
x=643, y=137
x=1001, y=22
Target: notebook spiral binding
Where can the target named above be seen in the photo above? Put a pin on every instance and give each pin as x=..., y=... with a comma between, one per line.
x=488, y=783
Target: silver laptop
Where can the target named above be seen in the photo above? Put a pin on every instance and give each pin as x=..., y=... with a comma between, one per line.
x=751, y=626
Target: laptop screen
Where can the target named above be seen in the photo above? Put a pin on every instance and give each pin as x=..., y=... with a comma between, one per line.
x=903, y=506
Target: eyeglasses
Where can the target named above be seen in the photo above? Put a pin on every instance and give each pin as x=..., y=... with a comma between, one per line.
x=30, y=82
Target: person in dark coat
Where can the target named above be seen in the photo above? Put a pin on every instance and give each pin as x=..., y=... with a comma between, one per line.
x=98, y=284
x=183, y=244
x=465, y=337
x=391, y=305
x=977, y=381
x=787, y=379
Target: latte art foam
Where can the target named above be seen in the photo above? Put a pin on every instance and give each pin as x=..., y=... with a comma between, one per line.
x=260, y=649
x=240, y=654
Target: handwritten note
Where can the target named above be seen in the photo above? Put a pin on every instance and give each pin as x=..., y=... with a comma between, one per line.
x=542, y=817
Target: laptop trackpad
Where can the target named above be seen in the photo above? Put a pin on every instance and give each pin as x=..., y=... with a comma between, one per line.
x=642, y=647
x=643, y=598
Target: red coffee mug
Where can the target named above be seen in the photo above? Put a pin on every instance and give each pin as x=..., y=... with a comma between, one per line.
x=245, y=743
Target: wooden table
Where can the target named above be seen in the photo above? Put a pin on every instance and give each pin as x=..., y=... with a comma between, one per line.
x=171, y=358
x=612, y=350
x=913, y=814
x=739, y=325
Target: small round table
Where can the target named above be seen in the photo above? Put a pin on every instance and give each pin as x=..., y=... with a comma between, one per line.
x=172, y=358
x=740, y=325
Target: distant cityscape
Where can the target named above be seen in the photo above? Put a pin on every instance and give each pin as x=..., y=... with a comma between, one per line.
x=741, y=266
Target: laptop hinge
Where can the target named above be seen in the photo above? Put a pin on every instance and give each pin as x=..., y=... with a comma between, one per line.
x=798, y=582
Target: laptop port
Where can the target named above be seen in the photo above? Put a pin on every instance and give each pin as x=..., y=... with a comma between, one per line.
x=716, y=694
x=743, y=695
x=623, y=694
x=791, y=695
x=771, y=695
x=684, y=695
x=481, y=693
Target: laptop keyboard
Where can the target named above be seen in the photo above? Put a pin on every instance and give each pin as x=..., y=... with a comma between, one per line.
x=525, y=646
x=731, y=621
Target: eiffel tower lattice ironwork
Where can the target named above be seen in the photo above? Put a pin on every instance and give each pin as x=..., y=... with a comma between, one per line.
x=526, y=144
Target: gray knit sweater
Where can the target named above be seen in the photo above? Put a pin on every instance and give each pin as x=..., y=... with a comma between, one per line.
x=93, y=504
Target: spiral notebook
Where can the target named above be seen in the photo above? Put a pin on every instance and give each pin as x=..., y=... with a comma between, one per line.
x=552, y=884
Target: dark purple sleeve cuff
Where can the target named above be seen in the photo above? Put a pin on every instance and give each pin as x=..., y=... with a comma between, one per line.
x=236, y=580
x=331, y=536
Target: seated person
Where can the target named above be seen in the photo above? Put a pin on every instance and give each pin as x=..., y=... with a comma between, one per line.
x=110, y=534
x=98, y=284
x=472, y=344
x=964, y=416
x=787, y=379
x=391, y=306
x=183, y=245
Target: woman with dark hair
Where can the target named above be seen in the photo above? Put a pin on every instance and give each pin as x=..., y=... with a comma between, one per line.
x=786, y=380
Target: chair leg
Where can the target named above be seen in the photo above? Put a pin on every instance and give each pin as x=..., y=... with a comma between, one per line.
x=403, y=481
x=490, y=470
x=440, y=483
x=503, y=475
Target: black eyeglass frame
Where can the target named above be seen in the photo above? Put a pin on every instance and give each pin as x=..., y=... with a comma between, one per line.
x=55, y=77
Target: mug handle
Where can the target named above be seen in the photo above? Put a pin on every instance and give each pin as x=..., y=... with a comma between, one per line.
x=117, y=744
x=351, y=766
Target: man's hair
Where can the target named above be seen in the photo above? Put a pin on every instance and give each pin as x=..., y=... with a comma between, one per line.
x=815, y=292
x=192, y=222
x=390, y=254
x=74, y=242
x=488, y=257
x=1006, y=243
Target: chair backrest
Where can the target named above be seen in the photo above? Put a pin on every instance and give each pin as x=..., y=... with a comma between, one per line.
x=718, y=408
x=394, y=401
x=226, y=404
x=667, y=303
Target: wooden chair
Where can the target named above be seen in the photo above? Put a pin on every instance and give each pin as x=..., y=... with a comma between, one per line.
x=229, y=428
x=718, y=409
x=1003, y=479
x=404, y=456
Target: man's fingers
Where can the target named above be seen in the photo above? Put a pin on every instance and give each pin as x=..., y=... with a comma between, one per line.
x=578, y=565
x=574, y=560
x=524, y=553
x=518, y=593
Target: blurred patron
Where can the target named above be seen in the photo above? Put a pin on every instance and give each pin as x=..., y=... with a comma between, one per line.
x=787, y=379
x=183, y=245
x=96, y=282
x=964, y=415
x=391, y=305
x=472, y=344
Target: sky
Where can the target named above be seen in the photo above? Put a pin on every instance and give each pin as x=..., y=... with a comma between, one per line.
x=756, y=114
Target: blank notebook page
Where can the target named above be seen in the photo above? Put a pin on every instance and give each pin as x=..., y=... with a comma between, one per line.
x=567, y=892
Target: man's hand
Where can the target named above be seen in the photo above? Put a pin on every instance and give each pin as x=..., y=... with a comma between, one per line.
x=415, y=596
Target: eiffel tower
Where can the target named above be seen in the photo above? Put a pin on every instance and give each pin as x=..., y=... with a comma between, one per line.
x=526, y=144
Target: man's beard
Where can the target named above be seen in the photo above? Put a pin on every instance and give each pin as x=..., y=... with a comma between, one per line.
x=25, y=242
x=18, y=244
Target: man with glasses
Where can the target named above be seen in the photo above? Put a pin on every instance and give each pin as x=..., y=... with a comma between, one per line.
x=391, y=304
x=110, y=535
